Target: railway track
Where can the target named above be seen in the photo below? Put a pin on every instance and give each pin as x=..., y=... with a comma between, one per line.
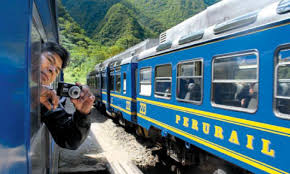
x=112, y=149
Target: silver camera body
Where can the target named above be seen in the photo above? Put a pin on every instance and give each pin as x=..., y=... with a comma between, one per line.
x=68, y=90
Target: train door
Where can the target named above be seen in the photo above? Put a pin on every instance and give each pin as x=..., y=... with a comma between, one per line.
x=98, y=87
x=103, y=89
x=109, y=79
x=134, y=71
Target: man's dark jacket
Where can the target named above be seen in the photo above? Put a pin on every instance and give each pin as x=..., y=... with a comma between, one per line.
x=68, y=130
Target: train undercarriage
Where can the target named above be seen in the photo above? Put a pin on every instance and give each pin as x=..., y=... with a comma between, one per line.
x=182, y=154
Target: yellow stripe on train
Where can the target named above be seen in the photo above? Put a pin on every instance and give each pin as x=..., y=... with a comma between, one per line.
x=238, y=121
x=123, y=97
x=233, y=139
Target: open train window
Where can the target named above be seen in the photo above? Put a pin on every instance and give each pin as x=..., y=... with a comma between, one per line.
x=118, y=82
x=124, y=83
x=189, y=81
x=163, y=80
x=145, y=82
x=235, y=81
x=282, y=82
x=98, y=83
x=103, y=81
x=112, y=80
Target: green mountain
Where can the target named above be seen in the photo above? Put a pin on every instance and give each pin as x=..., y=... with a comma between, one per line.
x=169, y=12
x=104, y=19
x=121, y=27
x=94, y=30
x=88, y=13
x=84, y=52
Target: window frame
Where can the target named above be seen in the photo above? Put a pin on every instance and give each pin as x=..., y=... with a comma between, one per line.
x=229, y=55
x=148, y=67
x=202, y=81
x=35, y=120
x=156, y=96
x=276, y=66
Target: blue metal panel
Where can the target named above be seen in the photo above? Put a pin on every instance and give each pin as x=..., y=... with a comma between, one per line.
x=269, y=152
x=15, y=58
x=125, y=103
x=14, y=121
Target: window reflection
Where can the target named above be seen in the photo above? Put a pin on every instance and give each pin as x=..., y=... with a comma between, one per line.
x=235, y=82
x=282, y=93
x=124, y=83
x=145, y=82
x=118, y=82
x=163, y=79
x=189, y=81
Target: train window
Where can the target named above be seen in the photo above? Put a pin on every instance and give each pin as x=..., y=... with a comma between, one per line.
x=103, y=81
x=189, y=81
x=145, y=82
x=282, y=82
x=112, y=81
x=118, y=82
x=163, y=79
x=235, y=81
x=124, y=83
x=98, y=79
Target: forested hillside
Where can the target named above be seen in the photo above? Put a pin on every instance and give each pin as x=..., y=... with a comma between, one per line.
x=84, y=52
x=94, y=30
x=150, y=17
x=169, y=12
x=88, y=13
x=121, y=27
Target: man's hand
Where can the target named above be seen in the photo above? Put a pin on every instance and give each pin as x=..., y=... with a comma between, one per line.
x=85, y=102
x=48, y=98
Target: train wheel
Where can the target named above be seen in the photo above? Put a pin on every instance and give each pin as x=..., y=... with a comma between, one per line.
x=139, y=131
x=121, y=120
x=220, y=171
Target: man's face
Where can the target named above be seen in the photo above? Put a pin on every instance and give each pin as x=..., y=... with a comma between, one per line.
x=51, y=65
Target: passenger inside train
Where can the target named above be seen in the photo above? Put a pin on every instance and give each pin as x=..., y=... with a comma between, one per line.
x=248, y=96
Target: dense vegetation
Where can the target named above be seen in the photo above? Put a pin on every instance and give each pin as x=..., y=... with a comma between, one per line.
x=168, y=12
x=94, y=30
x=121, y=27
x=88, y=13
x=85, y=53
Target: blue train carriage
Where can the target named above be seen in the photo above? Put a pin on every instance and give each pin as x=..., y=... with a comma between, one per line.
x=92, y=82
x=105, y=77
x=98, y=86
x=127, y=102
x=220, y=82
x=122, y=82
x=95, y=84
x=25, y=143
x=103, y=69
x=114, y=87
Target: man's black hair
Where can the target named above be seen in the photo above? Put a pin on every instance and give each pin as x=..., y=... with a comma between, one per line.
x=58, y=49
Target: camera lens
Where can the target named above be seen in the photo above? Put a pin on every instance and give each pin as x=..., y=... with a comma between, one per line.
x=74, y=92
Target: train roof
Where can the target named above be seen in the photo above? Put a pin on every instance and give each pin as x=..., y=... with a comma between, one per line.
x=221, y=19
x=130, y=52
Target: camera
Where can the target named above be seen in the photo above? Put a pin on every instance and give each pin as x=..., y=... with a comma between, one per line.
x=68, y=90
